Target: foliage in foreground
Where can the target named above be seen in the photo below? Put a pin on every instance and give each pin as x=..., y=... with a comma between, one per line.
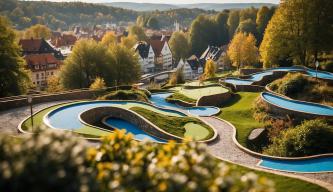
x=61, y=162
x=310, y=138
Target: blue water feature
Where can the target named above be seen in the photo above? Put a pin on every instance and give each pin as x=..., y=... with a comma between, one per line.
x=204, y=111
x=158, y=99
x=258, y=76
x=311, y=108
x=67, y=117
x=320, y=164
x=131, y=128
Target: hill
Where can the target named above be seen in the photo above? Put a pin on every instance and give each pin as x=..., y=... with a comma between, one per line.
x=205, y=6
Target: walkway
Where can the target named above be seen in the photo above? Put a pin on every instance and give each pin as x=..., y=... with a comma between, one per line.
x=225, y=148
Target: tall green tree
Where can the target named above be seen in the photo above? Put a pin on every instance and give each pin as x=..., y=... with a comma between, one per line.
x=37, y=31
x=202, y=33
x=233, y=22
x=87, y=61
x=247, y=26
x=125, y=64
x=179, y=46
x=248, y=13
x=264, y=15
x=299, y=31
x=153, y=23
x=138, y=32
x=221, y=20
x=14, y=78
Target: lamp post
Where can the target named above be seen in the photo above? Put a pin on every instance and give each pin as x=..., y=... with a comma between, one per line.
x=29, y=98
x=317, y=65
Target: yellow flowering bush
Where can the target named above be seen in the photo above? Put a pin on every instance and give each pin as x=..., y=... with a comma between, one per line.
x=58, y=161
x=123, y=164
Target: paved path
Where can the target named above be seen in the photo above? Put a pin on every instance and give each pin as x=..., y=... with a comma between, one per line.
x=10, y=119
x=223, y=147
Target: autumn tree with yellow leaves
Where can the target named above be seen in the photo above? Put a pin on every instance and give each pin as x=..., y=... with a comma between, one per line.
x=243, y=50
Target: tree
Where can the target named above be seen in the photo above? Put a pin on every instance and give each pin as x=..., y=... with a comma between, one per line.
x=210, y=69
x=87, y=61
x=247, y=26
x=177, y=77
x=299, y=31
x=54, y=85
x=233, y=22
x=137, y=31
x=125, y=64
x=179, y=46
x=98, y=84
x=129, y=41
x=221, y=20
x=37, y=31
x=243, y=50
x=248, y=13
x=202, y=33
x=109, y=38
x=14, y=78
x=264, y=15
x=153, y=23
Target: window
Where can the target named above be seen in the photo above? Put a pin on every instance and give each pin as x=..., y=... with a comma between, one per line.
x=51, y=73
x=37, y=76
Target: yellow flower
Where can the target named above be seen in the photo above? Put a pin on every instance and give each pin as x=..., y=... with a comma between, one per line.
x=162, y=186
x=91, y=153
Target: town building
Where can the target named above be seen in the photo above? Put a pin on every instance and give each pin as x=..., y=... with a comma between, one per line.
x=192, y=68
x=146, y=56
x=38, y=46
x=42, y=66
x=163, y=55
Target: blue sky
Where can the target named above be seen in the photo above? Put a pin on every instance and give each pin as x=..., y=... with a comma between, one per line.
x=179, y=1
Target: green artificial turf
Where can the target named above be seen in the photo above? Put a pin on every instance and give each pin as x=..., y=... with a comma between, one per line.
x=238, y=111
x=282, y=183
x=179, y=126
x=199, y=92
x=179, y=96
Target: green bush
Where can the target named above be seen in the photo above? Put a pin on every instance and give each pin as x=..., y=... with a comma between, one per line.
x=179, y=96
x=58, y=162
x=312, y=137
x=51, y=160
x=138, y=95
x=292, y=84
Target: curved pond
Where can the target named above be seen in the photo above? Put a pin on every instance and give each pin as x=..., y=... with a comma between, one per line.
x=258, y=76
x=322, y=164
x=294, y=105
x=131, y=128
x=66, y=117
x=203, y=111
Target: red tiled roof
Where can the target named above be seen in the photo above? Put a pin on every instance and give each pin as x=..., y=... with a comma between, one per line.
x=157, y=46
x=64, y=40
x=41, y=59
x=30, y=44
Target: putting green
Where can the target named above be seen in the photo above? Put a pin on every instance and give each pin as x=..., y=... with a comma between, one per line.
x=197, y=83
x=196, y=131
x=199, y=92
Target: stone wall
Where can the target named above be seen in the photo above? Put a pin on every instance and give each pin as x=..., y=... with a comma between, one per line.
x=19, y=101
x=249, y=88
x=214, y=100
x=97, y=114
x=249, y=71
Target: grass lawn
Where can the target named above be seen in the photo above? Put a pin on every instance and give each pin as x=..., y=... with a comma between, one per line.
x=282, y=183
x=238, y=111
x=197, y=93
x=179, y=96
x=179, y=126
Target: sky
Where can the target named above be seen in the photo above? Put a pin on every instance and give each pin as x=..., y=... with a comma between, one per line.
x=178, y=1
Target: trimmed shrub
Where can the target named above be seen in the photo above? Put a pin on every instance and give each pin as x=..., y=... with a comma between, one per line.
x=137, y=95
x=310, y=138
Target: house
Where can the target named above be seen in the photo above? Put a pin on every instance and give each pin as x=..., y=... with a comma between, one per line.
x=146, y=56
x=63, y=43
x=38, y=46
x=192, y=67
x=42, y=66
x=163, y=55
x=214, y=53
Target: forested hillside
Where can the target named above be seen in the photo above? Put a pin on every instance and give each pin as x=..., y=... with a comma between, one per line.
x=63, y=15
